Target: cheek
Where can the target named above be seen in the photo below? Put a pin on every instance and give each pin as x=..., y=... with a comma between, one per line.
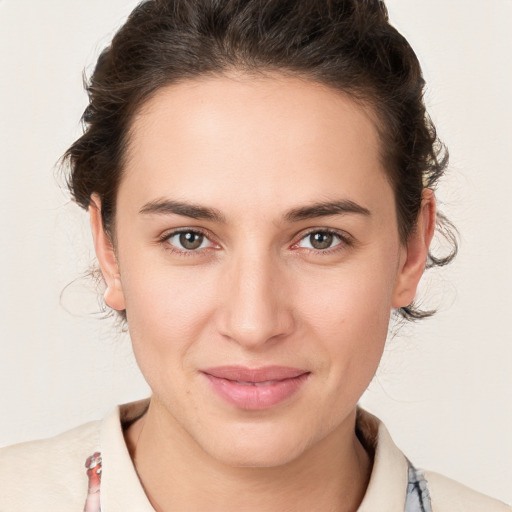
x=348, y=313
x=167, y=309
x=355, y=298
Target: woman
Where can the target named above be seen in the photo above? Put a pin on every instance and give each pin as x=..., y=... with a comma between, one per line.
x=259, y=178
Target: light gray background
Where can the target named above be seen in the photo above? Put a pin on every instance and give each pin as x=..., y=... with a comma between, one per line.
x=444, y=387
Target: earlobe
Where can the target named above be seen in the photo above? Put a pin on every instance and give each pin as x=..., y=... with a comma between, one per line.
x=415, y=252
x=113, y=295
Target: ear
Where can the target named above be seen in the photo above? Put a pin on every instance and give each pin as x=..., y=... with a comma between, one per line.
x=415, y=252
x=114, y=296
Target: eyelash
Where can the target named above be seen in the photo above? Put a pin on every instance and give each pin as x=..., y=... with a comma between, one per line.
x=164, y=240
x=345, y=241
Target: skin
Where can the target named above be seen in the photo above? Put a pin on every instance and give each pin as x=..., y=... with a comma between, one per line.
x=257, y=292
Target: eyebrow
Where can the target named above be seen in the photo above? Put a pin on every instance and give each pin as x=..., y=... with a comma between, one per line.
x=194, y=211
x=324, y=209
x=185, y=209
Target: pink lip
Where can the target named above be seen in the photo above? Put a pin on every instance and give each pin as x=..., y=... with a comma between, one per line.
x=255, y=388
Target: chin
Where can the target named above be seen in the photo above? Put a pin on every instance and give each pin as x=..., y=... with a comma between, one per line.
x=250, y=448
x=257, y=456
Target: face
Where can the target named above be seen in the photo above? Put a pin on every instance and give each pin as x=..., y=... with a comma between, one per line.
x=256, y=241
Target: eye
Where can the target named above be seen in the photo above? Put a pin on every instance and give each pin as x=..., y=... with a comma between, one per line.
x=320, y=240
x=188, y=240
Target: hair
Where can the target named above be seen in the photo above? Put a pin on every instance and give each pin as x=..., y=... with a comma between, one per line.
x=348, y=45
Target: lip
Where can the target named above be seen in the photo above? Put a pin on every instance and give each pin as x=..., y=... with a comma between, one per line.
x=255, y=388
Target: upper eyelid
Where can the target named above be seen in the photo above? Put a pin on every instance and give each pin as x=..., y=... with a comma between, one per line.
x=169, y=234
x=166, y=236
x=343, y=235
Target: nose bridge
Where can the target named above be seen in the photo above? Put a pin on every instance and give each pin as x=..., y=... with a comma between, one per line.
x=255, y=308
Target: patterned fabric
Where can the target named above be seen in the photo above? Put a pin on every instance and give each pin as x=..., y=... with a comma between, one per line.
x=93, y=465
x=418, y=497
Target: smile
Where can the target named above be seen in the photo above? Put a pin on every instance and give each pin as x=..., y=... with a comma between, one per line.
x=255, y=389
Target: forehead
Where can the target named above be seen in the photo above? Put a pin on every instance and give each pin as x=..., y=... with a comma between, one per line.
x=274, y=136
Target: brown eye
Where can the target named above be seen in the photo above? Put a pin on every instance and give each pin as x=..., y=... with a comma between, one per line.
x=188, y=240
x=320, y=240
x=191, y=240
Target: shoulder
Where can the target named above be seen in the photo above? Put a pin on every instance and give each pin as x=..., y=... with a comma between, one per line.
x=48, y=471
x=447, y=495
x=395, y=484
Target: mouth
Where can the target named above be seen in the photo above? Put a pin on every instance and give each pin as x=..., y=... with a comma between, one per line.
x=264, y=383
x=256, y=388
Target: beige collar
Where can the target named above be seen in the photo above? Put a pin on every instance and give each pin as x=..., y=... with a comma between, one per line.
x=120, y=486
x=122, y=490
x=387, y=490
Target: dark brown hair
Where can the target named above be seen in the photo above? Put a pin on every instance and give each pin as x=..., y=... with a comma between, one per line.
x=348, y=45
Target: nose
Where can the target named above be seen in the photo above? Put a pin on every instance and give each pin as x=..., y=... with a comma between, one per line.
x=257, y=303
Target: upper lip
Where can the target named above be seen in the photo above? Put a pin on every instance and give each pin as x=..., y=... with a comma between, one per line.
x=262, y=374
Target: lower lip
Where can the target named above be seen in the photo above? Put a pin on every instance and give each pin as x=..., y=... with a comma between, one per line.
x=256, y=398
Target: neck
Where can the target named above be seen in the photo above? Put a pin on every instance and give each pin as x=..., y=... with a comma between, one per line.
x=178, y=475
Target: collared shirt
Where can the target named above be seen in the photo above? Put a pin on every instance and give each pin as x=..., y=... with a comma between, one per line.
x=89, y=468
